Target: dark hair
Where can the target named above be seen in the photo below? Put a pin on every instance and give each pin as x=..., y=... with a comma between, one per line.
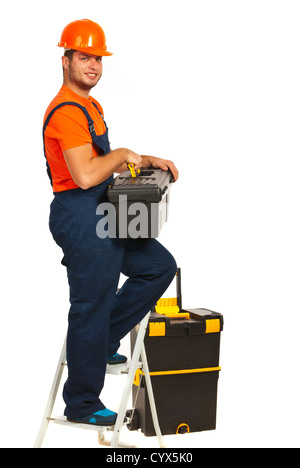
x=69, y=54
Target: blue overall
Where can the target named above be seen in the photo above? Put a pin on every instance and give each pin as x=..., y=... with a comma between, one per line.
x=98, y=317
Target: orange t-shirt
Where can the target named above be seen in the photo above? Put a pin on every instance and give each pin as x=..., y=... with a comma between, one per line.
x=68, y=128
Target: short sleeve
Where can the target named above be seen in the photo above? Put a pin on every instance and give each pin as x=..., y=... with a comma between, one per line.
x=70, y=127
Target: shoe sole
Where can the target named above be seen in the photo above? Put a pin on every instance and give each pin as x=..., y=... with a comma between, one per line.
x=116, y=363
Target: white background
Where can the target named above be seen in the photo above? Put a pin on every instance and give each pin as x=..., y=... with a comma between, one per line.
x=213, y=85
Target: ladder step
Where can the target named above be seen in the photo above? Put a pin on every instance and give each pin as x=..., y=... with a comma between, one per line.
x=120, y=369
x=116, y=369
x=62, y=420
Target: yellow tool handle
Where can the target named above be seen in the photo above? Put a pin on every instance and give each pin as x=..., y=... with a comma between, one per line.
x=131, y=167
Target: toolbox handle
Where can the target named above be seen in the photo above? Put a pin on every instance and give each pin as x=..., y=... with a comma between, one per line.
x=178, y=288
x=166, y=306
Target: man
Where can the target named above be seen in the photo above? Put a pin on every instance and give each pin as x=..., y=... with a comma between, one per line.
x=81, y=165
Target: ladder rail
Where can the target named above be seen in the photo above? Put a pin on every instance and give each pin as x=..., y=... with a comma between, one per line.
x=151, y=398
x=131, y=374
x=52, y=397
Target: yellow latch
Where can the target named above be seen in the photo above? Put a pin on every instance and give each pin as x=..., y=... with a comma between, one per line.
x=157, y=329
x=213, y=326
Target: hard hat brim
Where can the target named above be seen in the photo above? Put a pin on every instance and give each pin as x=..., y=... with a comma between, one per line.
x=87, y=50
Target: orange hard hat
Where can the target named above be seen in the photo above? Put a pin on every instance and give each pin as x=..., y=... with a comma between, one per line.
x=86, y=36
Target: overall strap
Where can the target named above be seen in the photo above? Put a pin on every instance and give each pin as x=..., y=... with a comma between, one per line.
x=90, y=124
x=100, y=114
x=71, y=103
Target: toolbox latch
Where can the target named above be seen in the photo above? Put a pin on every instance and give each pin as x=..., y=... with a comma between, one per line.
x=213, y=326
x=157, y=328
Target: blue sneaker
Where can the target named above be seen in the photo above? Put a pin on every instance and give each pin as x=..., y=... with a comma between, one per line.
x=116, y=359
x=101, y=418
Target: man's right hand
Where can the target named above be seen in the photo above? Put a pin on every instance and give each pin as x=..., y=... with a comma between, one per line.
x=135, y=159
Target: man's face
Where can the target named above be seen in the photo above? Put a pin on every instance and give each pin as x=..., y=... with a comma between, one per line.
x=85, y=70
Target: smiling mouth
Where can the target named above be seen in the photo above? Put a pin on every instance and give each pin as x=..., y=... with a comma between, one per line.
x=91, y=75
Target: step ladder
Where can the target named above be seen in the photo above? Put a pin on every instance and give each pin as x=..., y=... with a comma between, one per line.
x=138, y=352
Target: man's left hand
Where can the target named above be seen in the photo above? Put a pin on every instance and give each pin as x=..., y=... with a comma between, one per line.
x=159, y=163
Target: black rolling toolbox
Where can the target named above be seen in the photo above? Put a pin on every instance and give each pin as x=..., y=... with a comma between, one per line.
x=183, y=348
x=141, y=202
